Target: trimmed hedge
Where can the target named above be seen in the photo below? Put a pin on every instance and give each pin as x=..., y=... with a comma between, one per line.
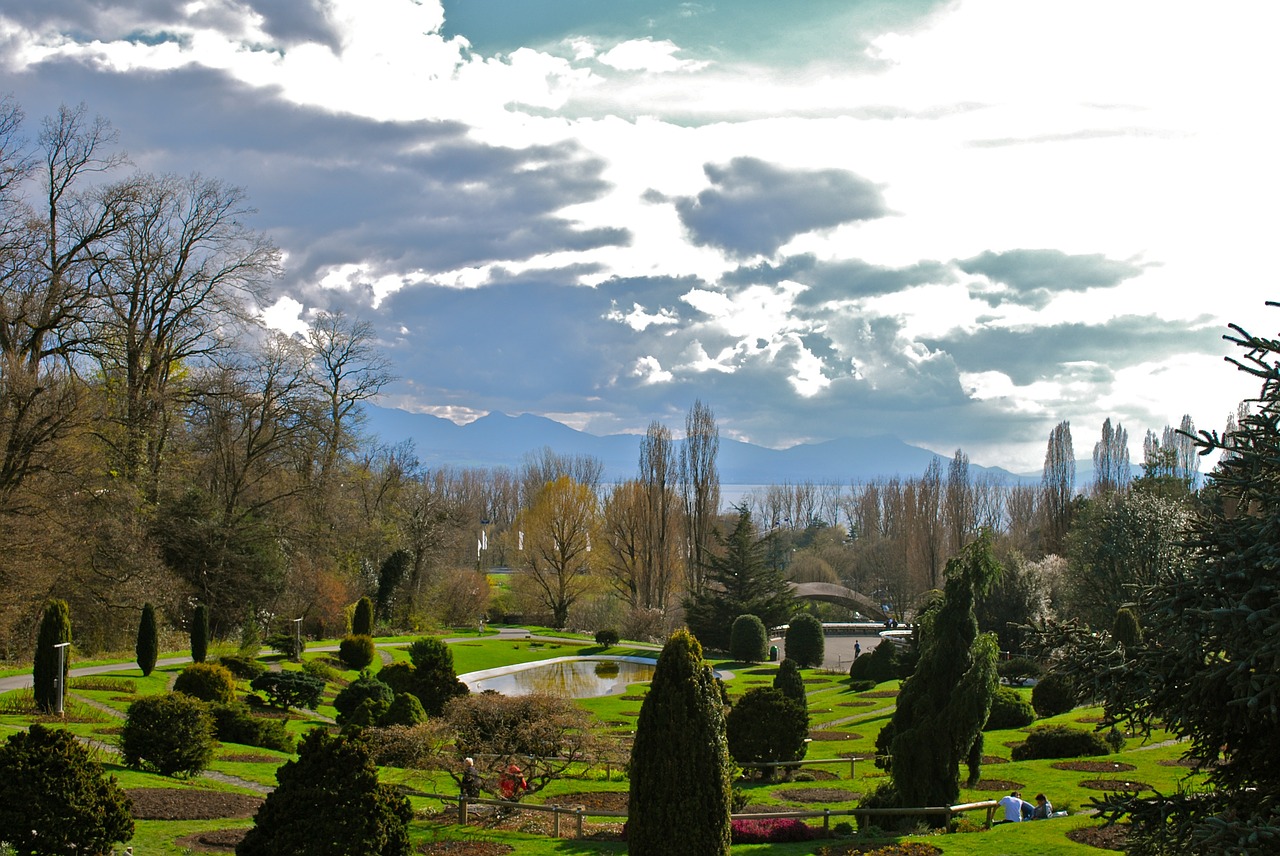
x=208, y=682
x=1059, y=741
x=1009, y=709
x=1052, y=695
x=880, y=665
x=233, y=723
x=357, y=652
x=748, y=641
x=171, y=733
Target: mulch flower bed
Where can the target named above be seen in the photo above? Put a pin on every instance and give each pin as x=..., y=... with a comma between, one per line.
x=834, y=735
x=998, y=785
x=1115, y=785
x=1094, y=766
x=1103, y=837
x=994, y=759
x=213, y=841
x=857, y=703
x=879, y=694
x=817, y=795
x=465, y=848
x=250, y=758
x=189, y=804
x=910, y=848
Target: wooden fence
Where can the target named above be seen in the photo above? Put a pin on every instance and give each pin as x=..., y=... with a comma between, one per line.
x=579, y=813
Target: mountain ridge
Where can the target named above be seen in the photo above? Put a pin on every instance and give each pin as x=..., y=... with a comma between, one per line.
x=502, y=440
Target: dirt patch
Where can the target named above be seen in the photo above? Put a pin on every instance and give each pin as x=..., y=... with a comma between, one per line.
x=1187, y=762
x=602, y=800
x=631, y=697
x=1114, y=785
x=856, y=704
x=250, y=758
x=879, y=694
x=1103, y=837
x=465, y=848
x=834, y=735
x=994, y=759
x=998, y=785
x=213, y=841
x=818, y=795
x=1094, y=766
x=189, y=804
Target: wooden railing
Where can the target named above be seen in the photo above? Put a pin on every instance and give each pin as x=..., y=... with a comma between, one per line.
x=579, y=813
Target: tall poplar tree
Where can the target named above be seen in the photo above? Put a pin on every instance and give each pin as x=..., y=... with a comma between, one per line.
x=700, y=489
x=1057, y=487
x=681, y=794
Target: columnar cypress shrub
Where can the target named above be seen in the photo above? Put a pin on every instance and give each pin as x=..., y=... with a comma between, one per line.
x=148, y=647
x=200, y=633
x=362, y=620
x=54, y=798
x=55, y=627
x=748, y=640
x=790, y=681
x=329, y=802
x=680, y=781
x=804, y=640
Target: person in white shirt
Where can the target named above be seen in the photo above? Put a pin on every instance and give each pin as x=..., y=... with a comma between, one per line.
x=1013, y=806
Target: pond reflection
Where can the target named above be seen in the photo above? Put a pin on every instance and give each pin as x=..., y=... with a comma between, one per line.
x=577, y=678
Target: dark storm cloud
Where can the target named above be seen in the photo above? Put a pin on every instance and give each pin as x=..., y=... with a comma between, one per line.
x=335, y=189
x=1034, y=276
x=1038, y=353
x=754, y=207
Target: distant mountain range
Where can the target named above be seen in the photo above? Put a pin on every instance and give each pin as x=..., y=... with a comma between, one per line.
x=499, y=440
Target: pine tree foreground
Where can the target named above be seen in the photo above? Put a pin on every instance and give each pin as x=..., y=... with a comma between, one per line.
x=681, y=794
x=330, y=803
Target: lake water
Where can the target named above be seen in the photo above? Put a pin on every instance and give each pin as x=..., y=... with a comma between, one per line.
x=576, y=677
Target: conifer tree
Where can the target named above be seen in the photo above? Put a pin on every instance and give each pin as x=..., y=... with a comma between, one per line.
x=741, y=582
x=329, y=802
x=942, y=707
x=148, y=646
x=362, y=619
x=680, y=787
x=55, y=628
x=805, y=642
x=200, y=633
x=790, y=681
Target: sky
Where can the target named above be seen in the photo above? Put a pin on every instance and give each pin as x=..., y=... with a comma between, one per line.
x=958, y=223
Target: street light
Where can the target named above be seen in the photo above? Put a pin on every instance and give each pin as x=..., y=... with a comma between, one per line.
x=297, y=639
x=59, y=679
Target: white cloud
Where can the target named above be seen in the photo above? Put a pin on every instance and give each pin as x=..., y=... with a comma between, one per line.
x=649, y=56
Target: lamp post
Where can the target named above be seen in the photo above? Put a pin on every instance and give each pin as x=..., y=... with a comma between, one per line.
x=297, y=639
x=59, y=679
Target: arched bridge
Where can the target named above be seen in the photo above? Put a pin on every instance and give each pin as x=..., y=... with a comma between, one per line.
x=831, y=593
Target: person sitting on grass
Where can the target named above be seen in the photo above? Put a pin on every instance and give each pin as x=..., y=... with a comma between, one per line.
x=1043, y=809
x=1016, y=809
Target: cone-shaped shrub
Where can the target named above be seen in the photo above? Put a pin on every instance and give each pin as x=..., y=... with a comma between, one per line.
x=329, y=803
x=680, y=787
x=200, y=633
x=748, y=640
x=790, y=681
x=362, y=619
x=148, y=647
x=357, y=652
x=55, y=627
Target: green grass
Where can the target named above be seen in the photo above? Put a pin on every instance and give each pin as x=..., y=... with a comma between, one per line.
x=843, y=723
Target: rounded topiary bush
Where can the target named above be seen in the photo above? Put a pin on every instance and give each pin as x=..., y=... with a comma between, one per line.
x=357, y=652
x=1059, y=741
x=607, y=638
x=1009, y=709
x=805, y=642
x=208, y=682
x=405, y=710
x=879, y=665
x=171, y=733
x=748, y=641
x=766, y=726
x=233, y=723
x=243, y=667
x=364, y=688
x=1019, y=670
x=1053, y=694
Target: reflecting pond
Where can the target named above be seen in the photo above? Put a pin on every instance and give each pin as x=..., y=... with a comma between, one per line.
x=570, y=678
